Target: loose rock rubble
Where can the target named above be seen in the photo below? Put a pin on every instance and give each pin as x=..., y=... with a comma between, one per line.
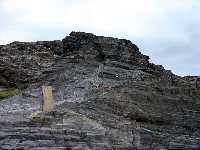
x=108, y=96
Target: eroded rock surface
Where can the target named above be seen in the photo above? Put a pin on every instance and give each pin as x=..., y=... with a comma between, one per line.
x=108, y=96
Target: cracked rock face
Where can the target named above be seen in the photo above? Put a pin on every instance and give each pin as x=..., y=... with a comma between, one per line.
x=108, y=96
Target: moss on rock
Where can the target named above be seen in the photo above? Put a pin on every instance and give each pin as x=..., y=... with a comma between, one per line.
x=41, y=118
x=8, y=93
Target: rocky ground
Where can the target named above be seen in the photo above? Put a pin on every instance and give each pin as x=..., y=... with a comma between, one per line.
x=108, y=97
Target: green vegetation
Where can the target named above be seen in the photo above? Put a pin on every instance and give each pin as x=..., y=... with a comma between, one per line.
x=8, y=93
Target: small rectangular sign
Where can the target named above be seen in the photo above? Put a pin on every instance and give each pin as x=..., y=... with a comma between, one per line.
x=48, y=101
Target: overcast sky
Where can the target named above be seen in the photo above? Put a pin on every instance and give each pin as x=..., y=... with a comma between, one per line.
x=166, y=30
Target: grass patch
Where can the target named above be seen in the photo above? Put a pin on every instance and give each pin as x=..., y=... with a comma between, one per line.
x=8, y=93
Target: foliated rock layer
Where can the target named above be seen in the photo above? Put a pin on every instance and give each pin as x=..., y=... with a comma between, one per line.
x=108, y=96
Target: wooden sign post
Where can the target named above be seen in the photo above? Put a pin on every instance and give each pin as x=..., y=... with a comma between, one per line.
x=48, y=101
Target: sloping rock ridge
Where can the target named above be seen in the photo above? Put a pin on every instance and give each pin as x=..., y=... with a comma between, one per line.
x=108, y=97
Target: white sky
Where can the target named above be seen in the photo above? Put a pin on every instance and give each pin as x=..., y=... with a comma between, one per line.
x=166, y=30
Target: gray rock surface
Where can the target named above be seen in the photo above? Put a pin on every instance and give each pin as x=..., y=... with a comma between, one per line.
x=108, y=96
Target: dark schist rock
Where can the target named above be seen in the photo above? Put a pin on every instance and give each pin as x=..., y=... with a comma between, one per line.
x=108, y=96
x=93, y=46
x=23, y=63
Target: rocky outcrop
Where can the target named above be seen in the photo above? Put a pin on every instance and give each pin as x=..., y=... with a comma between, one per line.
x=24, y=63
x=105, y=47
x=108, y=96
